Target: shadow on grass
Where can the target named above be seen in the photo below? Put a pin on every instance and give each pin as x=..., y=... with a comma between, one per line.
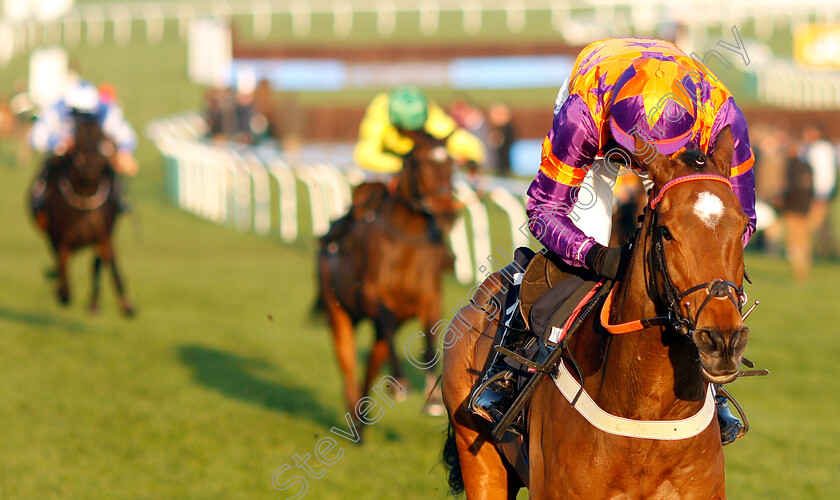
x=234, y=376
x=39, y=320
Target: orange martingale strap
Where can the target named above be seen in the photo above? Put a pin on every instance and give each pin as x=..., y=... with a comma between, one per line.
x=632, y=326
x=688, y=178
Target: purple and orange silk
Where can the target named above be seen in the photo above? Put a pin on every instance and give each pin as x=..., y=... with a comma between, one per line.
x=581, y=129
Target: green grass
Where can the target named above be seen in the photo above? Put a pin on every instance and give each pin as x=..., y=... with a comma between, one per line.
x=222, y=378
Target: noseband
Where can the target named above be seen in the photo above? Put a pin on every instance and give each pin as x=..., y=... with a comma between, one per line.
x=671, y=296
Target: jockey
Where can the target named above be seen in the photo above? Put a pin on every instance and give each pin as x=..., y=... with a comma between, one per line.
x=54, y=129
x=383, y=143
x=619, y=87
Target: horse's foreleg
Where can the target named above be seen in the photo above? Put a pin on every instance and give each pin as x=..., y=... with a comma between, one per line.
x=94, y=296
x=485, y=475
x=434, y=399
x=106, y=253
x=63, y=255
x=345, y=351
x=378, y=354
x=386, y=328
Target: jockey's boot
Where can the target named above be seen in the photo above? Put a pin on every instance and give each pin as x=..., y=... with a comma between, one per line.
x=730, y=426
x=497, y=391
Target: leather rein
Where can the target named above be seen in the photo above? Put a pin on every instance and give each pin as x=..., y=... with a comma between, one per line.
x=671, y=296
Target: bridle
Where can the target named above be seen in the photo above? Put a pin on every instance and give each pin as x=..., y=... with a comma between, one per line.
x=684, y=324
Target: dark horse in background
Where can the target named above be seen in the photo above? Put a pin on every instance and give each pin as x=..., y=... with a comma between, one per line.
x=80, y=207
x=388, y=264
x=686, y=269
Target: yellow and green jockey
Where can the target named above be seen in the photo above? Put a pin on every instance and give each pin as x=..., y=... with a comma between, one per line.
x=381, y=144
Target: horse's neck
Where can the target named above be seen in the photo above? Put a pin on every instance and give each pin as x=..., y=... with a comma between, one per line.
x=404, y=191
x=85, y=184
x=648, y=374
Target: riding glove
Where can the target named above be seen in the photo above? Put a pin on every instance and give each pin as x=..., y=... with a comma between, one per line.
x=607, y=261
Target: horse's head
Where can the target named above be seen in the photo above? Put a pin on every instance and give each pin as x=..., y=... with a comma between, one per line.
x=695, y=260
x=426, y=177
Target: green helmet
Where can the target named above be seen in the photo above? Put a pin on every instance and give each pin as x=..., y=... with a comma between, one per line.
x=407, y=108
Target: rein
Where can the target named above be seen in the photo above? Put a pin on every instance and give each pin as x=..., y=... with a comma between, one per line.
x=684, y=325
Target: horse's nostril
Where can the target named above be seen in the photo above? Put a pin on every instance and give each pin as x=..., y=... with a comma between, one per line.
x=710, y=340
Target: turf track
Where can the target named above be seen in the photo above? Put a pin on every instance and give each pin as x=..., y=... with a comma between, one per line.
x=221, y=378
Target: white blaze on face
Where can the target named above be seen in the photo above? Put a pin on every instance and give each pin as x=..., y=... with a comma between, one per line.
x=439, y=154
x=709, y=208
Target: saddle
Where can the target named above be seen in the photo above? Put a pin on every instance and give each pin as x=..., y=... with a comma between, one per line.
x=550, y=292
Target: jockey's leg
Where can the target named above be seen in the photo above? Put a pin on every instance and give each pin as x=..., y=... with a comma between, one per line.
x=497, y=391
x=338, y=229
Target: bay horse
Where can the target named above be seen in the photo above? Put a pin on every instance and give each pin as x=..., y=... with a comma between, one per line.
x=80, y=209
x=389, y=265
x=688, y=253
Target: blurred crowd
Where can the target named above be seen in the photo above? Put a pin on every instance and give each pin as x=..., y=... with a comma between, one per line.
x=246, y=113
x=493, y=126
x=17, y=112
x=796, y=183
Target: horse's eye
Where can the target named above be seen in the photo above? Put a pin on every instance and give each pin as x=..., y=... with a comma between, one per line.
x=666, y=235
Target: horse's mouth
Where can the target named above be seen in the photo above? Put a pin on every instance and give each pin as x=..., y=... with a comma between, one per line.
x=720, y=379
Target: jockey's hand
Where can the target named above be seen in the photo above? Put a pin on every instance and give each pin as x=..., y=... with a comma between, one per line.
x=64, y=146
x=125, y=164
x=608, y=261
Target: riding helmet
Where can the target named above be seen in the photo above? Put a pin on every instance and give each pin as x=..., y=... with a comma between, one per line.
x=408, y=108
x=656, y=99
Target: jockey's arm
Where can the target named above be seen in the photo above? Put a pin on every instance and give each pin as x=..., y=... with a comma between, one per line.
x=50, y=133
x=742, y=175
x=461, y=145
x=369, y=153
x=569, y=150
x=116, y=128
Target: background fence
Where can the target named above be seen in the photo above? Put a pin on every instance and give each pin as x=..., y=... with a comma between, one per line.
x=572, y=22
x=256, y=189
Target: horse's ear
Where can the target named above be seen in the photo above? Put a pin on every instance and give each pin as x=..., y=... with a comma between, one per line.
x=652, y=160
x=722, y=154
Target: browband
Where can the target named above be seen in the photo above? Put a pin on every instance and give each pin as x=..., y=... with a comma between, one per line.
x=687, y=178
